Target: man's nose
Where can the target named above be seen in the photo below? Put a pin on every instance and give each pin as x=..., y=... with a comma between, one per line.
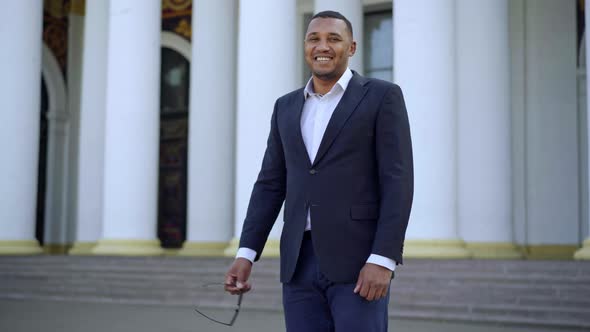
x=323, y=45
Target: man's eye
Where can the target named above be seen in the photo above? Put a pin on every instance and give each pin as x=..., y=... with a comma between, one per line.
x=334, y=40
x=312, y=40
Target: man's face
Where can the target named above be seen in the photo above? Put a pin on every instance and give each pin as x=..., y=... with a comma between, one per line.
x=328, y=45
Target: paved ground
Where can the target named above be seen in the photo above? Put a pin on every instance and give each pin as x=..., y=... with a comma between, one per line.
x=28, y=316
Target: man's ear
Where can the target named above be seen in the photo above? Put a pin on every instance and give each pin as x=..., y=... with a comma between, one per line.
x=352, y=49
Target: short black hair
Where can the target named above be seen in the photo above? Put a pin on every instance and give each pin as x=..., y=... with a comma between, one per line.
x=336, y=15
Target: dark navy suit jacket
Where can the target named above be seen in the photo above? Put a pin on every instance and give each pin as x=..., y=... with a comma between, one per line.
x=359, y=189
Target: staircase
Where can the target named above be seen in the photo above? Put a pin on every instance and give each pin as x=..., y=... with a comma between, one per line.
x=552, y=294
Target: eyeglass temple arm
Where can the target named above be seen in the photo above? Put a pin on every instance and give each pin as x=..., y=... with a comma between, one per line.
x=233, y=319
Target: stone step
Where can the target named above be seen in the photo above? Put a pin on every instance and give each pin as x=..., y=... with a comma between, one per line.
x=397, y=310
x=184, y=294
x=219, y=269
x=187, y=294
x=521, y=292
x=260, y=296
x=500, y=320
x=512, y=267
x=473, y=291
x=190, y=279
x=417, y=265
x=506, y=292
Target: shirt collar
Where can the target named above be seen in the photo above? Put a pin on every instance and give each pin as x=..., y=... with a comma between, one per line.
x=342, y=83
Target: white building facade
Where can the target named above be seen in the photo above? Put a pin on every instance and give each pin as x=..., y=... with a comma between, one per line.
x=156, y=124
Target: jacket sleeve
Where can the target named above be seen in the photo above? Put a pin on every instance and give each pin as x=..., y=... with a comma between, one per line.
x=396, y=175
x=268, y=193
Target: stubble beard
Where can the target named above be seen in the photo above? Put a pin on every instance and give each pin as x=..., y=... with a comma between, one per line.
x=327, y=76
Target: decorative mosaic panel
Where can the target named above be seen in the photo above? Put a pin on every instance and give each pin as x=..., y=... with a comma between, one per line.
x=176, y=17
x=55, y=29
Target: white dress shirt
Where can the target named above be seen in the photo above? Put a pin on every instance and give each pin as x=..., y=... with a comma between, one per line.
x=317, y=111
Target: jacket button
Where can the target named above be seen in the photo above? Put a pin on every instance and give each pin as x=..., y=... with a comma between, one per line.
x=312, y=171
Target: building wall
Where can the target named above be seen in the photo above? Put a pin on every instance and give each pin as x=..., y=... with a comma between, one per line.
x=545, y=141
x=549, y=146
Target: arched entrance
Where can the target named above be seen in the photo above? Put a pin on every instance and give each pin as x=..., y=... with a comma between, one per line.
x=174, y=98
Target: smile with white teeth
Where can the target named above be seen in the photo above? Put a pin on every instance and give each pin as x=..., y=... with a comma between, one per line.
x=322, y=58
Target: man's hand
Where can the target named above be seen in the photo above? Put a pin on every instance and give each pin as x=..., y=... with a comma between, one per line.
x=236, y=278
x=373, y=282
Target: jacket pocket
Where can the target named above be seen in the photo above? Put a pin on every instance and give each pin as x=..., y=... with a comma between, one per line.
x=364, y=212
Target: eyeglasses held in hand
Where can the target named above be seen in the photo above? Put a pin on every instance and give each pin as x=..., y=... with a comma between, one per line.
x=236, y=310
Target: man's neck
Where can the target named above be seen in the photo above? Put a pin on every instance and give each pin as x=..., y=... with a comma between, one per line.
x=321, y=86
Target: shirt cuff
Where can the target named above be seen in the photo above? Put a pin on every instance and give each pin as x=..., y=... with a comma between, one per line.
x=381, y=261
x=246, y=253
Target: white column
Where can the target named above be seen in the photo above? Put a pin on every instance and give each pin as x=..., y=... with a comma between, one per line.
x=551, y=130
x=483, y=105
x=584, y=252
x=353, y=11
x=266, y=71
x=131, y=129
x=424, y=57
x=211, y=129
x=20, y=98
x=92, y=128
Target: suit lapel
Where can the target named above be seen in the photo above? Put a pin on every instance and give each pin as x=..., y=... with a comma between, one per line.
x=354, y=93
x=298, y=110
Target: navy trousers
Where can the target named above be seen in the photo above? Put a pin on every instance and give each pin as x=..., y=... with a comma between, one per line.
x=312, y=303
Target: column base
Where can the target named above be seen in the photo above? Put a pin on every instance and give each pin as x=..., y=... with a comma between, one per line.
x=436, y=249
x=203, y=249
x=56, y=248
x=128, y=248
x=232, y=248
x=554, y=252
x=494, y=250
x=26, y=247
x=584, y=252
x=82, y=248
x=271, y=249
x=170, y=251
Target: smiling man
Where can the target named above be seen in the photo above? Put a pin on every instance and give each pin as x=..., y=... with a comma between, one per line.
x=339, y=155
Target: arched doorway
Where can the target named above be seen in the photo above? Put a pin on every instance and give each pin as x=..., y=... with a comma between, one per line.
x=173, y=172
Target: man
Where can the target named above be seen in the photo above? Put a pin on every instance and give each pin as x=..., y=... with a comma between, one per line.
x=339, y=155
